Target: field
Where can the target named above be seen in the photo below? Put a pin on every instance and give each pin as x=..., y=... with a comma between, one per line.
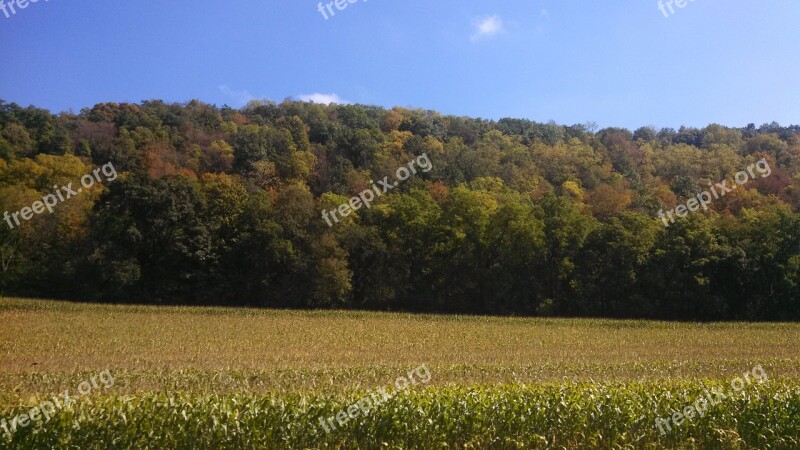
x=241, y=378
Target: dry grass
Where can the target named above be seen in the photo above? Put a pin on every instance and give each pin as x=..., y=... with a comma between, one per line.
x=44, y=344
x=244, y=378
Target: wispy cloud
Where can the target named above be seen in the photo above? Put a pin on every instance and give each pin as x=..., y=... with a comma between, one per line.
x=240, y=98
x=326, y=99
x=545, y=14
x=487, y=27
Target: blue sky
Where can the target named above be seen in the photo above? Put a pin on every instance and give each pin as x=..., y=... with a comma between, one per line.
x=615, y=62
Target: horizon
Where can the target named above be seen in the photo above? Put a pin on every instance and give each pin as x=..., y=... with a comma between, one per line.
x=427, y=110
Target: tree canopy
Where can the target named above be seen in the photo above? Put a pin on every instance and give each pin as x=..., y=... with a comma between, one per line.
x=223, y=206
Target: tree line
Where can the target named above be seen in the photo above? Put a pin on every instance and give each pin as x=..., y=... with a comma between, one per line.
x=216, y=205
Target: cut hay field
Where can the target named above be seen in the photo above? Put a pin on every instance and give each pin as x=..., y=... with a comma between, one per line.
x=246, y=378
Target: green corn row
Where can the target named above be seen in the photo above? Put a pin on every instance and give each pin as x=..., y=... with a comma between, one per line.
x=572, y=416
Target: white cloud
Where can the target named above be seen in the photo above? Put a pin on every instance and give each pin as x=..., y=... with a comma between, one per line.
x=240, y=98
x=486, y=27
x=326, y=99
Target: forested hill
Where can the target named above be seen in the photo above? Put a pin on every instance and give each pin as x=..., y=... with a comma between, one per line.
x=267, y=206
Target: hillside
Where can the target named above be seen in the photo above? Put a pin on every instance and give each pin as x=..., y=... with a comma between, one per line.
x=300, y=205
